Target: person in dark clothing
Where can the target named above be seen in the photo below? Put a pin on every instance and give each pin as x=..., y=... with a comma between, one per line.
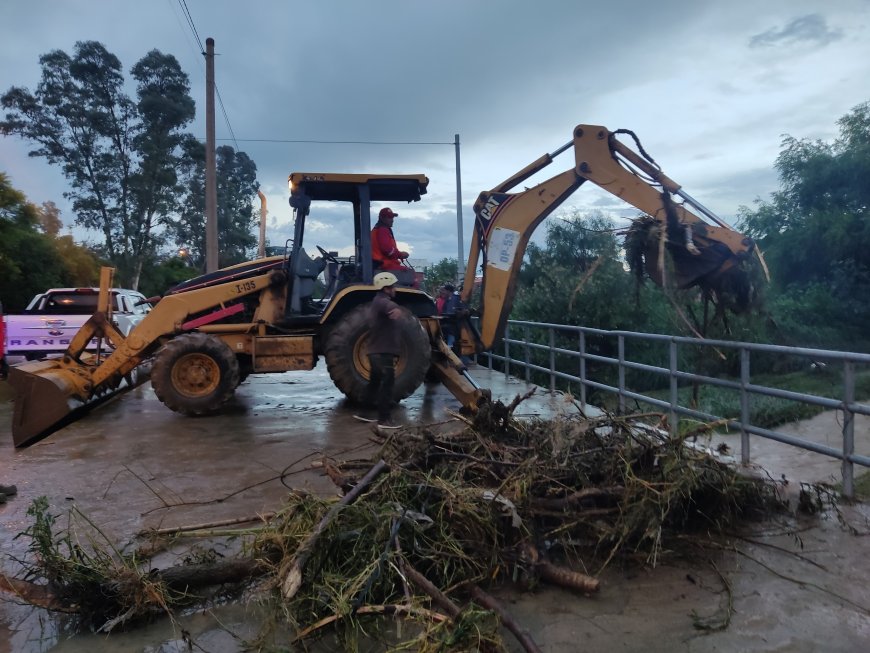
x=384, y=345
x=447, y=305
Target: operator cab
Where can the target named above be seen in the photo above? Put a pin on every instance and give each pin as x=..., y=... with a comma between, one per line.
x=358, y=191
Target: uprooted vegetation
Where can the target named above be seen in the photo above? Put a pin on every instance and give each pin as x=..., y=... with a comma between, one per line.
x=426, y=529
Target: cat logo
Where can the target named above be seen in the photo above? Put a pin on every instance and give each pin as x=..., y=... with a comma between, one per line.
x=489, y=208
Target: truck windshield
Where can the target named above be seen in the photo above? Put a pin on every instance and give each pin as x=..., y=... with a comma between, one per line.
x=74, y=303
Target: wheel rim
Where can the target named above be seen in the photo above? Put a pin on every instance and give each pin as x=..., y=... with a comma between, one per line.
x=361, y=357
x=195, y=375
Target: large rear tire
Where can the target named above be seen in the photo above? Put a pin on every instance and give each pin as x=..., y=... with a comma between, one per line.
x=347, y=359
x=195, y=374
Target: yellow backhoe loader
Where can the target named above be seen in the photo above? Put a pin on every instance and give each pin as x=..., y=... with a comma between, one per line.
x=207, y=334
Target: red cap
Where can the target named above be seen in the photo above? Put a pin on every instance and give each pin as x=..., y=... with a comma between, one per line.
x=386, y=213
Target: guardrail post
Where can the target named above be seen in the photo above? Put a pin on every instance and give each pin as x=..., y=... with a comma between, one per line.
x=583, y=370
x=552, y=361
x=745, y=416
x=507, y=351
x=673, y=417
x=848, y=429
x=526, y=353
x=621, y=372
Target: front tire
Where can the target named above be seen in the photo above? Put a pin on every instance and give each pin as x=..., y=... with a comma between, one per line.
x=195, y=374
x=346, y=354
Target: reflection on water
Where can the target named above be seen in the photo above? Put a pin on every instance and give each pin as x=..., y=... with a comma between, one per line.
x=223, y=629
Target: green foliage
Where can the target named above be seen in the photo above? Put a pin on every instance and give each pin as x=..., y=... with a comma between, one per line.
x=770, y=412
x=444, y=271
x=84, y=569
x=32, y=261
x=158, y=276
x=862, y=487
x=577, y=278
x=119, y=155
x=123, y=156
x=815, y=236
x=236, y=189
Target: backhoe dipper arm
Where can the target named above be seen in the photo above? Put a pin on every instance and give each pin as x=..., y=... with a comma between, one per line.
x=504, y=222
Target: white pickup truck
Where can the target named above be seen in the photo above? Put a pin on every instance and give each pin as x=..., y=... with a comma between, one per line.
x=52, y=318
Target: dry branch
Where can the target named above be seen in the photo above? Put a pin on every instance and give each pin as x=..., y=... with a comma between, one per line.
x=567, y=578
x=182, y=578
x=509, y=622
x=174, y=530
x=292, y=580
x=374, y=609
x=439, y=597
x=33, y=594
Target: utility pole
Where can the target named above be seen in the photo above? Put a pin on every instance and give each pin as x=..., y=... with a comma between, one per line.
x=211, y=230
x=261, y=250
x=460, y=266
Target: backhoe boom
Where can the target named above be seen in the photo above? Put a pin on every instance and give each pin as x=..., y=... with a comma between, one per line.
x=504, y=223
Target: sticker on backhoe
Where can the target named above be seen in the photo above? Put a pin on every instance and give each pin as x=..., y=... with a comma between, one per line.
x=502, y=248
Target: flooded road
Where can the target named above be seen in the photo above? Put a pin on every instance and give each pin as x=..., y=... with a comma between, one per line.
x=132, y=464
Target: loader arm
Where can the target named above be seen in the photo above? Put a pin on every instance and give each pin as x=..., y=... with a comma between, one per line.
x=505, y=221
x=46, y=392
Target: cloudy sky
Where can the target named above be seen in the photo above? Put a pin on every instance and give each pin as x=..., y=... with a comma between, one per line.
x=710, y=89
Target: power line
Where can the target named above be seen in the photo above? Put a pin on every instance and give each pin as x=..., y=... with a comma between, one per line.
x=189, y=18
x=226, y=117
x=192, y=26
x=290, y=140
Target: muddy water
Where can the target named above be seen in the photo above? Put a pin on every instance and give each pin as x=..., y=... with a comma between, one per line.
x=133, y=464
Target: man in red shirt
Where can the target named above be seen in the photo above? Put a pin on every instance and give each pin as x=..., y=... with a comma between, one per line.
x=385, y=254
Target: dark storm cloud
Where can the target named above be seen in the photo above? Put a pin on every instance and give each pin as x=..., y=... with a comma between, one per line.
x=511, y=77
x=812, y=29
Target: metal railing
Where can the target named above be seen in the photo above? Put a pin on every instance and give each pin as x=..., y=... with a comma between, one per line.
x=547, y=353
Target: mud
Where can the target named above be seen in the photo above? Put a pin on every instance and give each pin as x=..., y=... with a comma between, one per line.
x=132, y=464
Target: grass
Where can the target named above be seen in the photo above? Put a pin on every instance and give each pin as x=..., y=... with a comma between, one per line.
x=767, y=412
x=862, y=486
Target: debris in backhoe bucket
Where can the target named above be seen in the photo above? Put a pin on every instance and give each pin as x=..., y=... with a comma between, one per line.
x=459, y=508
x=665, y=255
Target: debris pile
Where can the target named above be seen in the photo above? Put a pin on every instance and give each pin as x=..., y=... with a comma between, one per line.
x=442, y=515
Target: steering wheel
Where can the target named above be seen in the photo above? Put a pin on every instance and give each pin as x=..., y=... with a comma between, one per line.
x=326, y=255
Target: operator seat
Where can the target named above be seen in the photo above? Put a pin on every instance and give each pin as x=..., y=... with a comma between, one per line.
x=305, y=273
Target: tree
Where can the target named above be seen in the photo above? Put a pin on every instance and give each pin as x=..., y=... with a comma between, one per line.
x=435, y=276
x=31, y=261
x=119, y=156
x=162, y=274
x=578, y=278
x=815, y=235
x=49, y=219
x=236, y=191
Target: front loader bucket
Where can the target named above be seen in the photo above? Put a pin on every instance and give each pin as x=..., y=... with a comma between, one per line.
x=44, y=400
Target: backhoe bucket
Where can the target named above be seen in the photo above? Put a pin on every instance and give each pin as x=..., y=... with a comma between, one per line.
x=44, y=400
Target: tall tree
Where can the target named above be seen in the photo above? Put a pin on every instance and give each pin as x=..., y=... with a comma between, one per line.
x=236, y=215
x=49, y=219
x=32, y=261
x=119, y=156
x=815, y=235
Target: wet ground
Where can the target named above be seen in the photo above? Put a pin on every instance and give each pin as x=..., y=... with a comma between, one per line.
x=797, y=585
